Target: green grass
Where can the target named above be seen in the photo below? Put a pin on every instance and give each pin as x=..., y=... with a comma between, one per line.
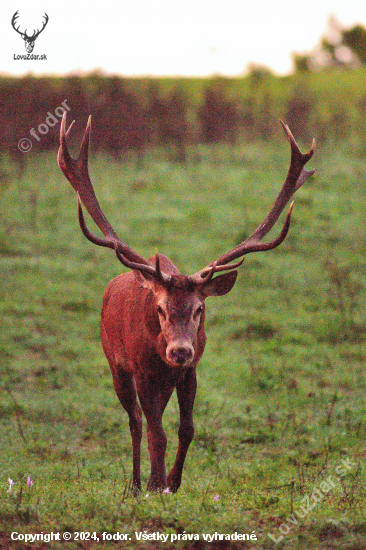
x=281, y=389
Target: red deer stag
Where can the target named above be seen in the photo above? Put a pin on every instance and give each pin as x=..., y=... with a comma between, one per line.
x=153, y=317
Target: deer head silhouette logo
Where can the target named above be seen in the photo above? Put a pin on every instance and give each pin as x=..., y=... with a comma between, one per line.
x=28, y=40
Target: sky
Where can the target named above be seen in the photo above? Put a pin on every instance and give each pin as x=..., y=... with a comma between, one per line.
x=168, y=37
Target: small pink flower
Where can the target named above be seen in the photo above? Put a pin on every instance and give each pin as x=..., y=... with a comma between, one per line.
x=29, y=481
x=216, y=497
x=11, y=482
x=166, y=491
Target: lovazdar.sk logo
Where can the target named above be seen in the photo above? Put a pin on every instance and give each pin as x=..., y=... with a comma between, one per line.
x=29, y=40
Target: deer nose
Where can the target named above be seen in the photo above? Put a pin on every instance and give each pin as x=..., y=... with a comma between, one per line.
x=180, y=355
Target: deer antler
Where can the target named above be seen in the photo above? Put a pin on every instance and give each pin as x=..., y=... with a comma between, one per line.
x=13, y=21
x=296, y=177
x=24, y=35
x=37, y=33
x=76, y=171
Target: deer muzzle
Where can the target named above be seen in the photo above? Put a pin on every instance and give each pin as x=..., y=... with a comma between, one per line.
x=180, y=354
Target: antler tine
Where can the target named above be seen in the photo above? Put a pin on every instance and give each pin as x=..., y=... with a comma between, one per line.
x=206, y=274
x=296, y=177
x=156, y=272
x=162, y=277
x=76, y=171
x=148, y=270
x=256, y=246
x=133, y=265
x=68, y=130
x=88, y=234
x=294, y=146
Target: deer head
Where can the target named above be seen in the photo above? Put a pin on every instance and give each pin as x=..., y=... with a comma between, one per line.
x=177, y=309
x=28, y=40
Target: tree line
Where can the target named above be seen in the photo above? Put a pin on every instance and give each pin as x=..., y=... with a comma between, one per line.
x=132, y=114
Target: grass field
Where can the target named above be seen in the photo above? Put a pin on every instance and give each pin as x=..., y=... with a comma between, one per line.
x=281, y=386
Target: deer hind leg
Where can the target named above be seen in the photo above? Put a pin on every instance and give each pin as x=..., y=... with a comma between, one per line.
x=186, y=392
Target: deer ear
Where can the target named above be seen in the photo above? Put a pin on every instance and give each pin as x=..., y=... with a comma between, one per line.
x=221, y=285
x=145, y=279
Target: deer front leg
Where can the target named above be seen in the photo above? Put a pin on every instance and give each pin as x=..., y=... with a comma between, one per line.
x=153, y=400
x=126, y=393
x=125, y=389
x=186, y=392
